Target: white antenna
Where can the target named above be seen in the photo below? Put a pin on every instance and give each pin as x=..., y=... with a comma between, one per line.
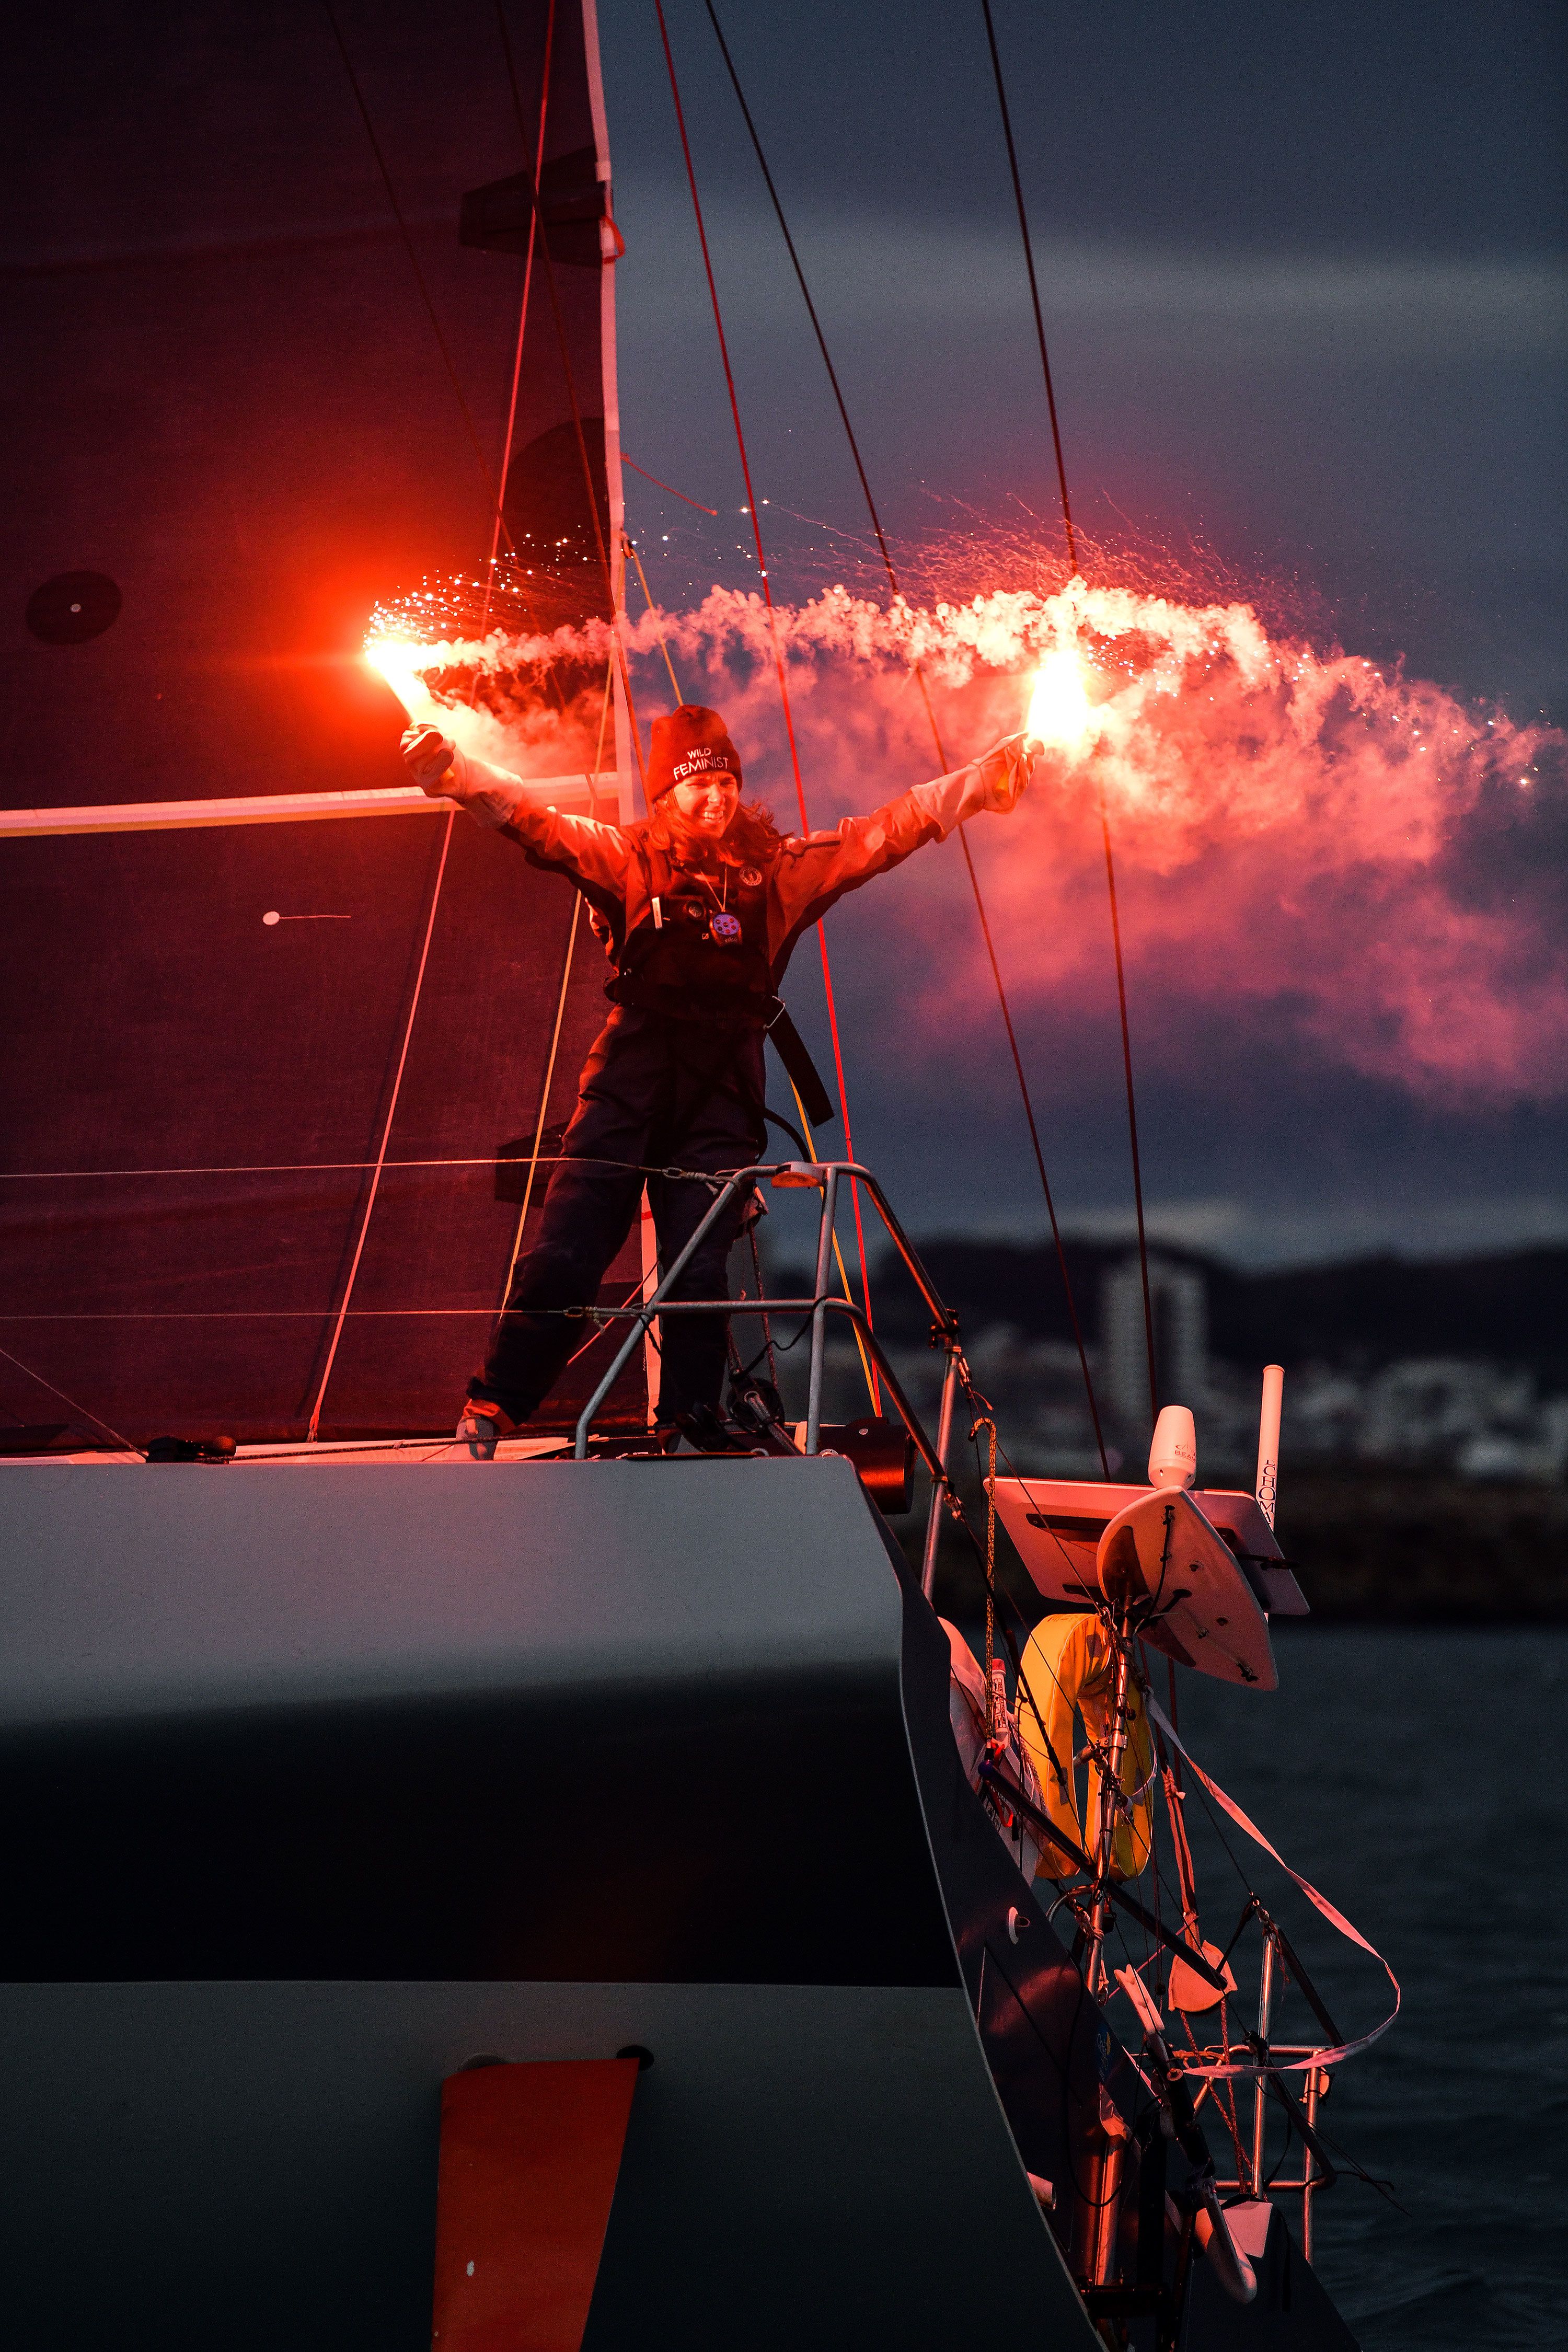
x=1174, y=1456
x=1268, y=1486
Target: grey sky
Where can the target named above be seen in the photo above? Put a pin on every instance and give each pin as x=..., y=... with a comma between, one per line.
x=1303, y=277
x=1304, y=284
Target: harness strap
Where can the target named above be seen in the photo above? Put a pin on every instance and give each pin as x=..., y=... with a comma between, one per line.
x=1335, y=1919
x=801, y=1070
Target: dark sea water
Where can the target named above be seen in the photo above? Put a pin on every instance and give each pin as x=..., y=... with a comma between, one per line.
x=1417, y=1777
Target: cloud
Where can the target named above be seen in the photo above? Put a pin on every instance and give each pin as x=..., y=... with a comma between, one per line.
x=1226, y=1226
x=887, y=276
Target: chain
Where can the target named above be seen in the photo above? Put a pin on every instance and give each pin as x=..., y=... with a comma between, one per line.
x=995, y=1706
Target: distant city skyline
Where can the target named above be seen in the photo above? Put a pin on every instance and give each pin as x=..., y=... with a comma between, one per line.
x=1457, y=1411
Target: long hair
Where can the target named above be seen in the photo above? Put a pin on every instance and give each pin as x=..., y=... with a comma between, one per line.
x=753, y=833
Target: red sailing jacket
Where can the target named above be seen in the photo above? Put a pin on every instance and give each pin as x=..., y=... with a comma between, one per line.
x=657, y=907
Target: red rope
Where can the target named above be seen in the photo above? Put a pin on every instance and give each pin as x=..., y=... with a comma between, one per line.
x=666, y=486
x=386, y=1132
x=1104, y=820
x=1131, y=1113
x=523, y=315
x=778, y=656
x=935, y=730
x=549, y=261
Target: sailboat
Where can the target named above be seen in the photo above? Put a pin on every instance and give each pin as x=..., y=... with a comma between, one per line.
x=595, y=1900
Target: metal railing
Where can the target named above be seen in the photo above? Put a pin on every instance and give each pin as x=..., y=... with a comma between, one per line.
x=829, y=1175
x=1312, y=2180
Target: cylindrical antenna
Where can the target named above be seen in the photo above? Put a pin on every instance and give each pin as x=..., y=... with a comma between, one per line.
x=1268, y=1486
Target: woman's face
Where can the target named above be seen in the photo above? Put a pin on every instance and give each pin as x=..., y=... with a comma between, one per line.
x=707, y=806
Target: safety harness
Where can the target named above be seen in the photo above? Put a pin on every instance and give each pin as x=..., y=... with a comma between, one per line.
x=701, y=954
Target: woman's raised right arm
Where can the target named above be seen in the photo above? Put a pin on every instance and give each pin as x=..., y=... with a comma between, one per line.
x=595, y=854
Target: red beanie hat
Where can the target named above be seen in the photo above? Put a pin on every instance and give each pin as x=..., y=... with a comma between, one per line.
x=687, y=746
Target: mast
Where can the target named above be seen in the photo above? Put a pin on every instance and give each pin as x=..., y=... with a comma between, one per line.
x=609, y=248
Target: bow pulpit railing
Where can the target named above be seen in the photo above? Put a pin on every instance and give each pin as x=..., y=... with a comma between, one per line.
x=828, y=1176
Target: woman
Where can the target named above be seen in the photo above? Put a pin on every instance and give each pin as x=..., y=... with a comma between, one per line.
x=699, y=908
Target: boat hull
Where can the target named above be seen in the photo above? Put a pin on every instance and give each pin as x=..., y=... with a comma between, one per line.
x=323, y=1780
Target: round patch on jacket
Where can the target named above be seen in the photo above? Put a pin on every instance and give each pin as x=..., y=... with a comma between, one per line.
x=750, y=878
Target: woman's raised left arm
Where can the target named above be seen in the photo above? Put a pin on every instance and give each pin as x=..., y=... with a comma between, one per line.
x=815, y=871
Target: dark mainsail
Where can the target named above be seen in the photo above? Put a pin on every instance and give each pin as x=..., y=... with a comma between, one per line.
x=228, y=398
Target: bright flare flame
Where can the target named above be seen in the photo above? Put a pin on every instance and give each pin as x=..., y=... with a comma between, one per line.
x=400, y=661
x=1059, y=710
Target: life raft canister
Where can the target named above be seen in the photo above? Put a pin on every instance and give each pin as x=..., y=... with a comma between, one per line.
x=1070, y=1667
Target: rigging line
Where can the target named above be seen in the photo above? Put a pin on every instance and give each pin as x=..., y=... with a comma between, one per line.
x=1159, y=1883
x=298, y=1315
x=632, y=722
x=979, y=1406
x=873, y=1386
x=560, y=1011
x=501, y=523
x=589, y=484
x=545, y=1097
x=527, y=282
x=619, y=642
x=632, y=715
x=599, y=748
x=735, y=416
x=267, y=1168
x=637, y=1290
x=973, y=1393
x=630, y=546
x=1131, y=1112
x=560, y=322
x=772, y=626
x=666, y=486
x=86, y=1412
x=479, y=458
x=386, y=1132
x=767, y=1345
x=931, y=714
x=1072, y=557
x=1033, y=283
x=806, y=291
x=342, y=1167
x=1039, y=1155
x=849, y=1153
x=500, y=526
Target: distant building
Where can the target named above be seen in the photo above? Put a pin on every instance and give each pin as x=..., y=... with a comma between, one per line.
x=1456, y=1415
x=1180, y=1300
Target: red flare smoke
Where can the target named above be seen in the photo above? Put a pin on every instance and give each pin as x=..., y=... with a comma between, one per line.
x=1290, y=824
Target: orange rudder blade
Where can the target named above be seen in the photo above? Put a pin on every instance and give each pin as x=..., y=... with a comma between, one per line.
x=530, y=2155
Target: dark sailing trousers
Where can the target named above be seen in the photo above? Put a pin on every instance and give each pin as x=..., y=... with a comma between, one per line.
x=655, y=1092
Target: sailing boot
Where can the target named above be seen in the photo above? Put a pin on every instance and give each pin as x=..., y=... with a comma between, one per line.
x=483, y=1424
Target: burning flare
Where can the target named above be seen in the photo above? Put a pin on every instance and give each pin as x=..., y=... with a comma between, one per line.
x=401, y=663
x=419, y=668
x=1060, y=714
